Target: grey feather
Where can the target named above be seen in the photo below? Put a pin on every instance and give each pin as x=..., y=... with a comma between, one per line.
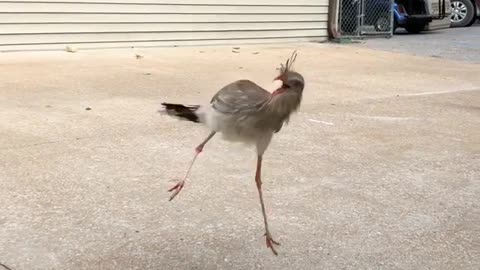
x=240, y=96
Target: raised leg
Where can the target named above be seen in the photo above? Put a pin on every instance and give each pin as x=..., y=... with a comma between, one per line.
x=176, y=189
x=268, y=237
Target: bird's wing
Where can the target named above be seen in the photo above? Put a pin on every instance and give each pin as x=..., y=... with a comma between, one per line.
x=240, y=96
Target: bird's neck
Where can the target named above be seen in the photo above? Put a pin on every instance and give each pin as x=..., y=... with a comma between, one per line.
x=283, y=102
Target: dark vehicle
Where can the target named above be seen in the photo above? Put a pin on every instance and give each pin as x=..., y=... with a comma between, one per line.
x=413, y=15
x=464, y=12
x=421, y=15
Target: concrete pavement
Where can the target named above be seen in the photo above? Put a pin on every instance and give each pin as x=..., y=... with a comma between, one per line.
x=459, y=44
x=379, y=169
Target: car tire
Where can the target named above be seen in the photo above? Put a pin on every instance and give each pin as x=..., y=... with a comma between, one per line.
x=463, y=13
x=382, y=24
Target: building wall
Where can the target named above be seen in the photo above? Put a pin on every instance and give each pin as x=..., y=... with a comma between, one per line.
x=53, y=24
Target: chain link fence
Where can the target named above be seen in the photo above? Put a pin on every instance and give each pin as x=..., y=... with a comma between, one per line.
x=366, y=17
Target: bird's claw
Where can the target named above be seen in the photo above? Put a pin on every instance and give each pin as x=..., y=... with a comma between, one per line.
x=270, y=243
x=176, y=189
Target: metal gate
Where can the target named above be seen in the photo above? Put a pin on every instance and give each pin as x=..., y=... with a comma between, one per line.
x=365, y=17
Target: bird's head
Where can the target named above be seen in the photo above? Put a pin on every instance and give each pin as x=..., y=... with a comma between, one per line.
x=291, y=80
x=287, y=98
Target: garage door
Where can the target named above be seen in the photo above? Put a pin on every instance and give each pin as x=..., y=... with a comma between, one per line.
x=54, y=24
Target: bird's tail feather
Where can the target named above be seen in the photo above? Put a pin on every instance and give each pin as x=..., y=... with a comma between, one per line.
x=182, y=111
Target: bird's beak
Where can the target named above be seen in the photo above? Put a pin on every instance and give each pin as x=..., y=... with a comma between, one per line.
x=280, y=77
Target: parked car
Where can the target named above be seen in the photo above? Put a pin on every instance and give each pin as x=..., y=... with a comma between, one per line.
x=464, y=12
x=413, y=15
x=413, y=23
x=422, y=15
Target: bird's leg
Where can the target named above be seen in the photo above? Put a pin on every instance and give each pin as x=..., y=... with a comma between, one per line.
x=176, y=189
x=268, y=237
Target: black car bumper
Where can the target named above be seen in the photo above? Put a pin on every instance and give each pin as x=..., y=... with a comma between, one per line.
x=419, y=19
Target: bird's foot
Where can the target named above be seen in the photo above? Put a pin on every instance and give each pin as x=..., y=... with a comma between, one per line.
x=176, y=189
x=270, y=242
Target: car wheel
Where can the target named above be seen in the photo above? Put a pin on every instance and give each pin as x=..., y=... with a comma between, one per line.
x=463, y=13
x=382, y=24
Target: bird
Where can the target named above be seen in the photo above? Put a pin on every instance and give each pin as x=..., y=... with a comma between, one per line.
x=242, y=111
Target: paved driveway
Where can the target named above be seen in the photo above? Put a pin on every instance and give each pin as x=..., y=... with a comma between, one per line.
x=459, y=44
x=379, y=170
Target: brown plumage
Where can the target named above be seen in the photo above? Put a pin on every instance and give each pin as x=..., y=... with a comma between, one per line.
x=245, y=112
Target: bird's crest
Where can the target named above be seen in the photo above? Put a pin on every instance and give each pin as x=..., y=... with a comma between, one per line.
x=288, y=65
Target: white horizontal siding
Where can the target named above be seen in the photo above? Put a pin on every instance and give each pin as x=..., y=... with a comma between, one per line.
x=187, y=2
x=89, y=18
x=157, y=9
x=152, y=36
x=86, y=18
x=60, y=28
x=96, y=23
